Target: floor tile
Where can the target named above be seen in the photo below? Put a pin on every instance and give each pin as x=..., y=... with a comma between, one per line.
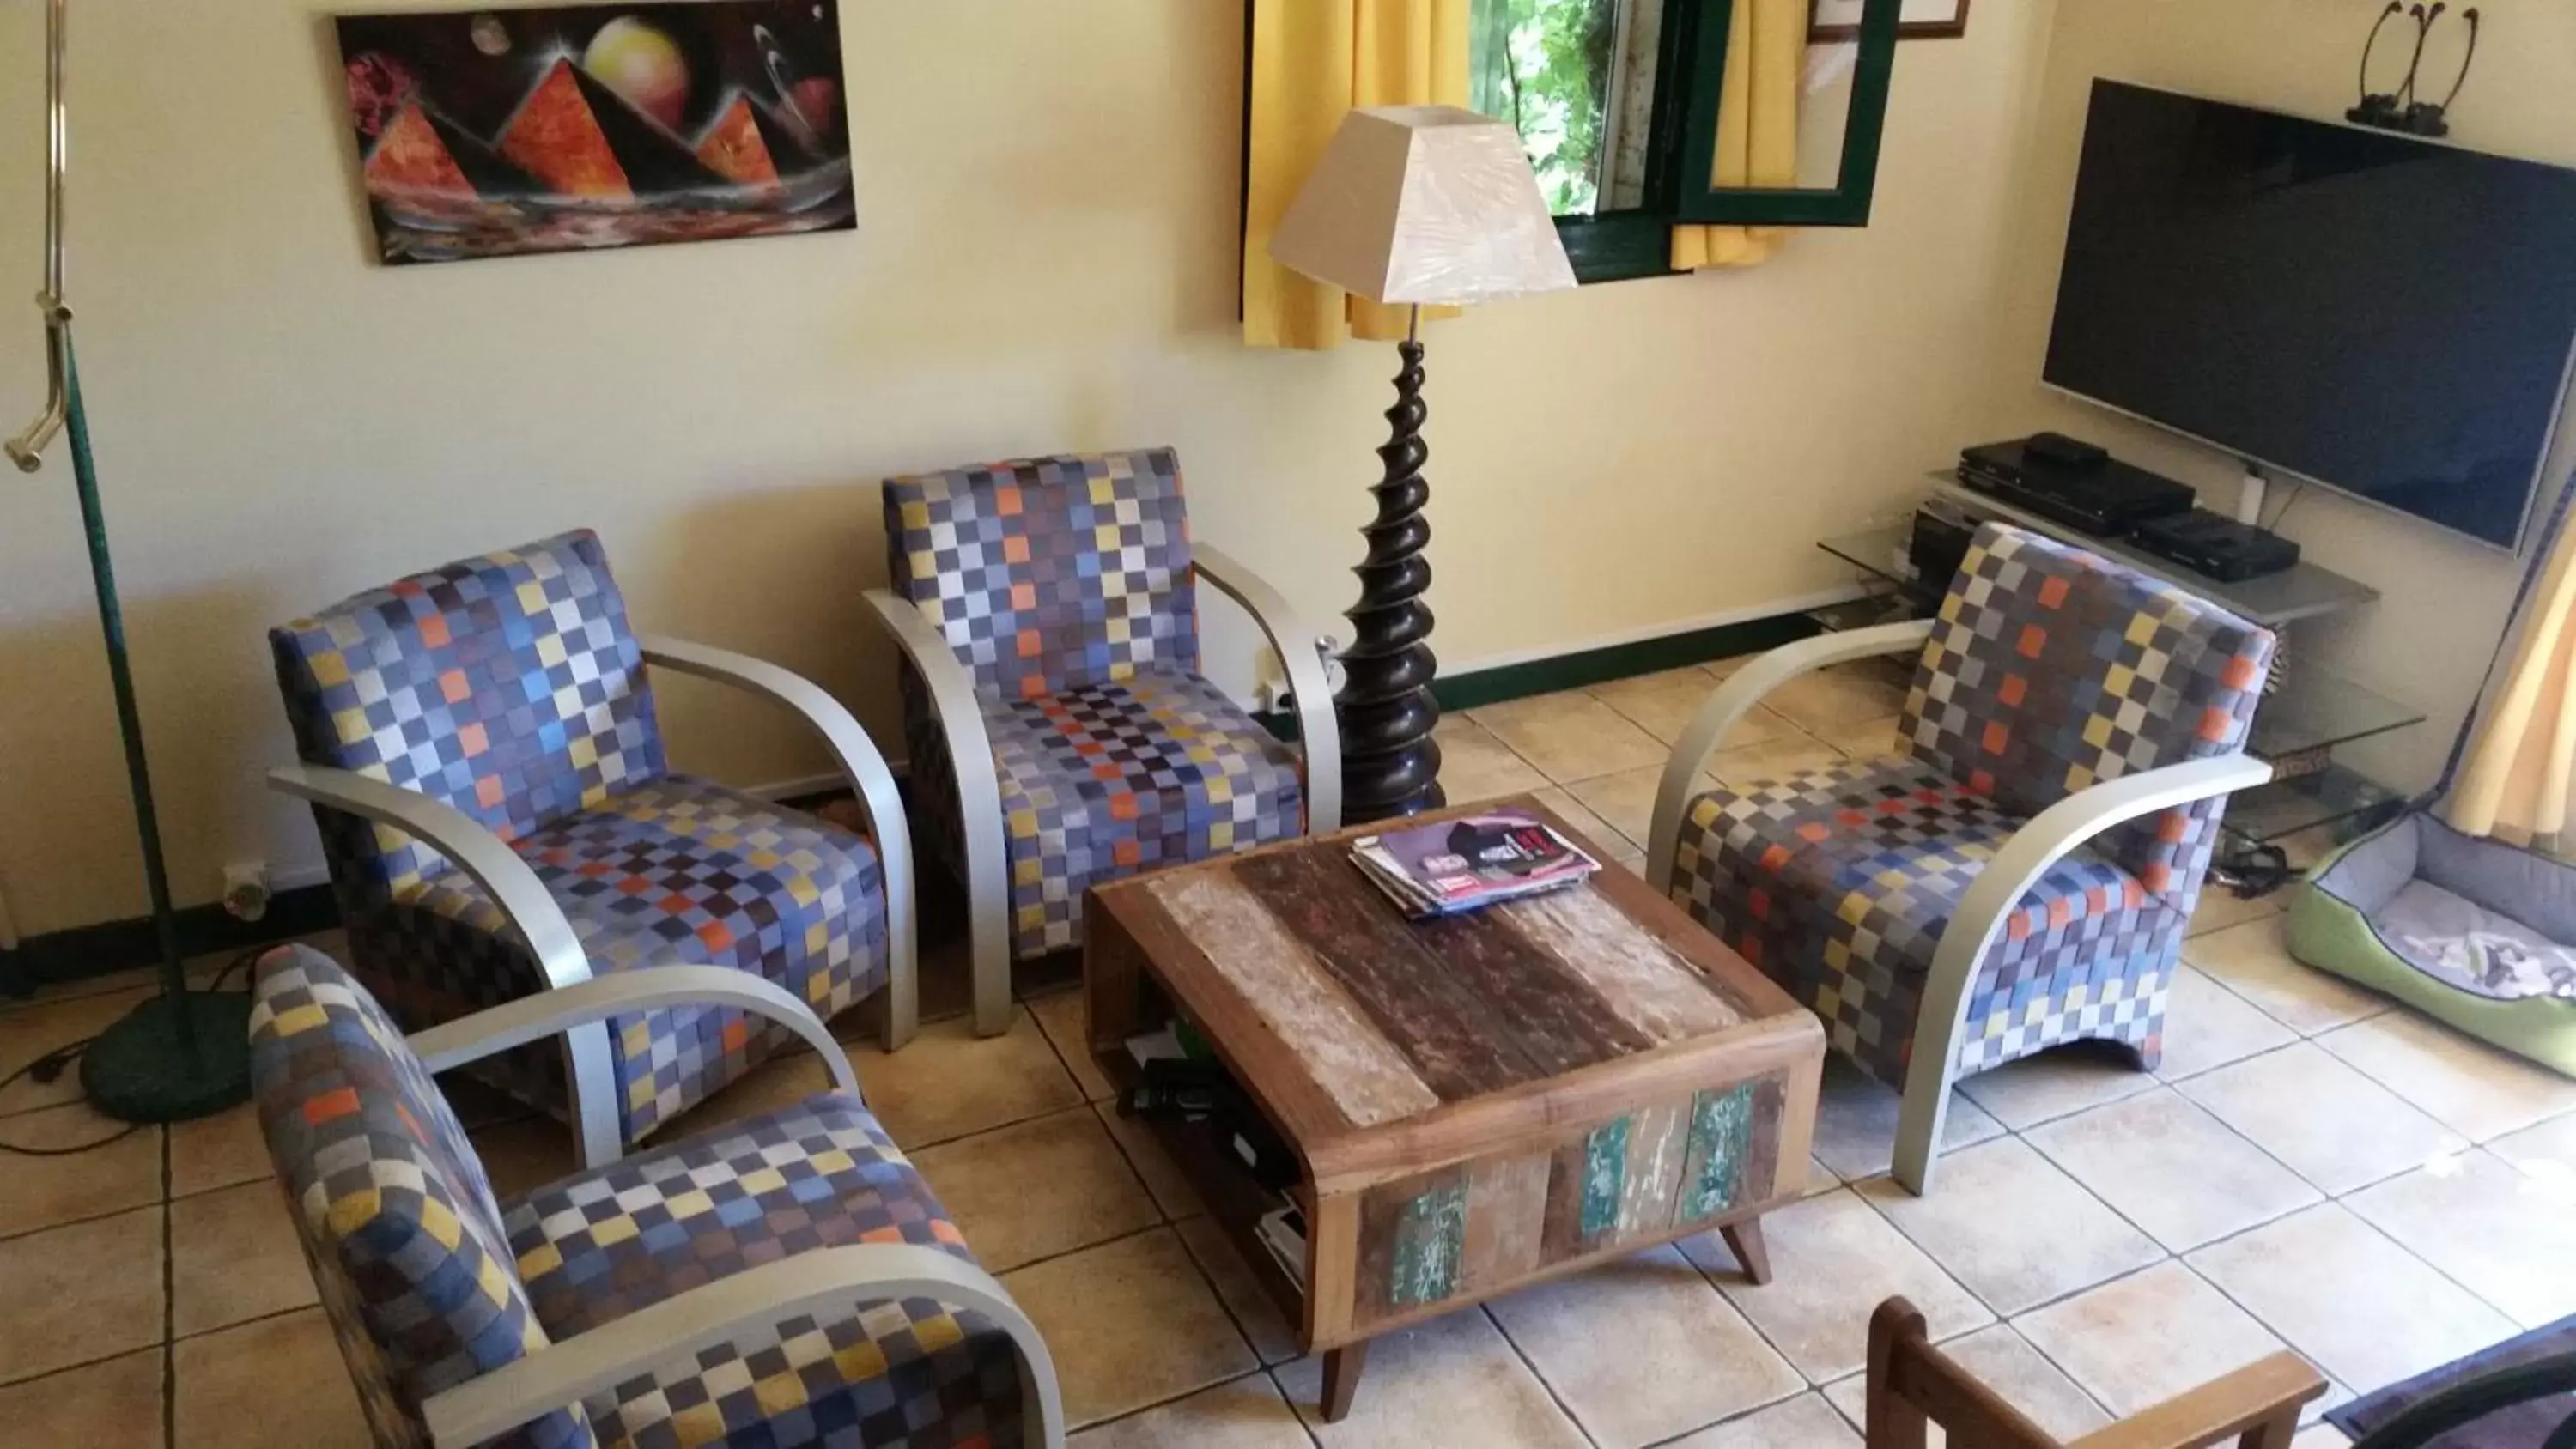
x=234, y=1257
x=1663, y=705
x=2466, y=1085
x=228, y=1390
x=2220, y=908
x=1642, y=1349
x=1574, y=812
x=2005, y=1362
x=2251, y=961
x=1130, y=1323
x=1631, y=861
x=1037, y=1189
x=2547, y=1151
x=2012, y=1228
x=1841, y=694
x=84, y=1291
x=1569, y=736
x=2502, y=1234
x=2357, y=1305
x=2327, y=1122
x=39, y=1192
x=2207, y=1025
x=2058, y=1082
x=38, y=1028
x=524, y=1154
x=1805, y=1422
x=1060, y=1017
x=1453, y=1380
x=219, y=1151
x=949, y=1082
x=1856, y=1116
x=2171, y=1168
x=1475, y=766
x=1255, y=1312
x=110, y=1405
x=1870, y=739
x=1833, y=1260
x=1772, y=760
x=2320, y=1436
x=1626, y=800
x=1163, y=1178
x=2139, y=1340
x=1247, y=1413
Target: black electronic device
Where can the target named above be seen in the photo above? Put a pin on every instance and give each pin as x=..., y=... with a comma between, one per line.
x=1939, y=545
x=2061, y=449
x=2106, y=499
x=2216, y=545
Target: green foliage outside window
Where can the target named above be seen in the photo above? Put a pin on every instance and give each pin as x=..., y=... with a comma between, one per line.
x=1546, y=66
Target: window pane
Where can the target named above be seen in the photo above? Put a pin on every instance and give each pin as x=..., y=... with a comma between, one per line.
x=1577, y=79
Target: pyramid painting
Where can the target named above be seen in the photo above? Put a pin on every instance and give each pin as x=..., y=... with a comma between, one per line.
x=486, y=133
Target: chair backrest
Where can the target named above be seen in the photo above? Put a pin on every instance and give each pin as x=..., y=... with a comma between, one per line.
x=1050, y=574
x=393, y=1210
x=508, y=686
x=2051, y=669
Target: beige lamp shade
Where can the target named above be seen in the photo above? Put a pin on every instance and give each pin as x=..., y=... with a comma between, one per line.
x=1424, y=204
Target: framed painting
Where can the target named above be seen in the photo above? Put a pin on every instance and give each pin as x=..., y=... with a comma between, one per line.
x=491, y=133
x=1919, y=20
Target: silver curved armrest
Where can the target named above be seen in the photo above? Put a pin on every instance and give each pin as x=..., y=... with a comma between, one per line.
x=513, y=885
x=960, y=714
x=1733, y=701
x=862, y=763
x=1318, y=733
x=653, y=988
x=1998, y=888
x=825, y=1282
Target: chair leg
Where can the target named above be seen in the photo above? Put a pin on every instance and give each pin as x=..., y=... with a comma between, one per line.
x=590, y=1075
x=988, y=914
x=903, y=972
x=1926, y=1106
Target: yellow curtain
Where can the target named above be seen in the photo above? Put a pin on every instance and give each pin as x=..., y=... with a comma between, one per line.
x=1312, y=61
x=2514, y=786
x=1757, y=129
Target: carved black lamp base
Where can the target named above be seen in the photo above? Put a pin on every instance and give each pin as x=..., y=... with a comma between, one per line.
x=1390, y=763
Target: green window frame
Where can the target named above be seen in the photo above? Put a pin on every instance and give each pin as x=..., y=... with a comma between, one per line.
x=1682, y=151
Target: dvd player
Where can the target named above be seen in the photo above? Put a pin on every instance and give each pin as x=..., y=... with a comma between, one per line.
x=2105, y=497
x=2216, y=545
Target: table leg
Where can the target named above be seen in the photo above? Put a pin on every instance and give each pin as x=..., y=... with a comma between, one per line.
x=1744, y=1240
x=1342, y=1368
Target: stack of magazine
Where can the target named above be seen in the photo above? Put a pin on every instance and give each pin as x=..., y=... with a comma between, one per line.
x=1461, y=865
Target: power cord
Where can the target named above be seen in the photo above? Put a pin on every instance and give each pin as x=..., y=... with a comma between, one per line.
x=49, y=1068
x=2297, y=492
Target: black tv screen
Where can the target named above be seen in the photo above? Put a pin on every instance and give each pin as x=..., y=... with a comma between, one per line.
x=2385, y=315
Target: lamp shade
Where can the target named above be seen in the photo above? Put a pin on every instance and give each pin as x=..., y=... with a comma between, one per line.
x=1424, y=204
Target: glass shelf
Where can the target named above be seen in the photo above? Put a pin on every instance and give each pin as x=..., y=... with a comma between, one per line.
x=2303, y=802
x=2314, y=710
x=1881, y=553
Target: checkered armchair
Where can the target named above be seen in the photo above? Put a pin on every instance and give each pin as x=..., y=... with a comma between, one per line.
x=1060, y=732
x=480, y=747
x=786, y=1279
x=2024, y=874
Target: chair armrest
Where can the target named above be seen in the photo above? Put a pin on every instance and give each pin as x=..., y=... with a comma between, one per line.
x=452, y=1044
x=510, y=881
x=1296, y=644
x=2269, y=1390
x=825, y=1281
x=862, y=763
x=1999, y=887
x=1734, y=700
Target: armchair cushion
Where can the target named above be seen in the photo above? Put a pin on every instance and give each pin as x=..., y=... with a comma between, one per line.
x=817, y=1174
x=677, y=872
x=1838, y=884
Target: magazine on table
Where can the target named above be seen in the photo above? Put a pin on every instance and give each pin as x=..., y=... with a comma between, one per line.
x=1477, y=860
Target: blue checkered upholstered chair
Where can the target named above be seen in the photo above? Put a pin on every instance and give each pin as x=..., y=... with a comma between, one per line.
x=2025, y=873
x=785, y=1279
x=480, y=747
x=1060, y=732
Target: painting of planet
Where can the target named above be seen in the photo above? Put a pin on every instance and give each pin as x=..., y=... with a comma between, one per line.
x=490, y=133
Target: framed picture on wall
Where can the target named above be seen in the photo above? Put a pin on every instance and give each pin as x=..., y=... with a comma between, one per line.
x=498, y=132
x=1920, y=20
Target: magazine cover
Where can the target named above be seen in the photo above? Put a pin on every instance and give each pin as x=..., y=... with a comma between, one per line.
x=1471, y=861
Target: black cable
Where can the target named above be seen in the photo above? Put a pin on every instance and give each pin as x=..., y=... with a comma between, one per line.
x=2423, y=31
x=48, y=1068
x=2298, y=491
x=2394, y=8
x=2470, y=59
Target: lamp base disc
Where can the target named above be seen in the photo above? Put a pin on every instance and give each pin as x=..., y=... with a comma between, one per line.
x=139, y=1071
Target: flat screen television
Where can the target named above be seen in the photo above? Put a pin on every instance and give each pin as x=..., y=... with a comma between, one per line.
x=2388, y=316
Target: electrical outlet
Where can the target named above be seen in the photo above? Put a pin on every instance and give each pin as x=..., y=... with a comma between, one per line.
x=246, y=890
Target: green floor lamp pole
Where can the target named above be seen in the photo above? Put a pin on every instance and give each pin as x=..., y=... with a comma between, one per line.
x=183, y=1053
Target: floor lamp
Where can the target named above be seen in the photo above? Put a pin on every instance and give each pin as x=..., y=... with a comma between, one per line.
x=183, y=1053
x=1416, y=206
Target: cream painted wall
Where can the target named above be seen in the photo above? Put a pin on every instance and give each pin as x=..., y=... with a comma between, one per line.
x=1045, y=261
x=2443, y=598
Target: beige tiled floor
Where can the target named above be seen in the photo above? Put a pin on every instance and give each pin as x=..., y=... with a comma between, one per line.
x=2307, y=1168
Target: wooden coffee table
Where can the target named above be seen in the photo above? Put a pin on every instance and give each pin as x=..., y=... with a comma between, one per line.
x=1477, y=1103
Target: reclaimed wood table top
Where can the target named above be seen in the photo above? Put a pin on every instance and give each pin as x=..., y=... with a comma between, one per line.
x=1379, y=1045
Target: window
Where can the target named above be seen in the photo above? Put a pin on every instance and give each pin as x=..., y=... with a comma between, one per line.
x=1617, y=104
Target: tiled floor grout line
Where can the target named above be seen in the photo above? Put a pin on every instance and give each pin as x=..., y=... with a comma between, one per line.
x=169, y=1306
x=1491, y=1321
